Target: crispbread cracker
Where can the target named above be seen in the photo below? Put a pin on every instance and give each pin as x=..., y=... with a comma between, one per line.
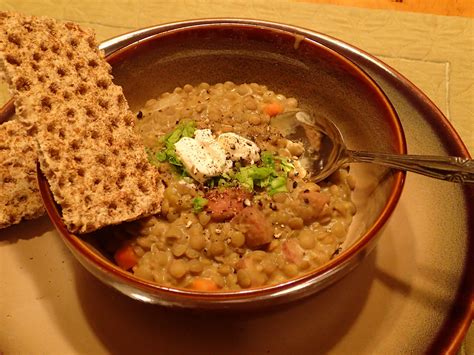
x=96, y=167
x=19, y=194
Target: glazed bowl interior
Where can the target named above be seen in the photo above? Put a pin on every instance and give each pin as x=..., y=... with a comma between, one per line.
x=325, y=84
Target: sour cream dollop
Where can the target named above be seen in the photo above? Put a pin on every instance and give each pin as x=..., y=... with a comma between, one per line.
x=204, y=156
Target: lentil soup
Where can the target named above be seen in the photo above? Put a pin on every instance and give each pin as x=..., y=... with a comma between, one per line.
x=251, y=217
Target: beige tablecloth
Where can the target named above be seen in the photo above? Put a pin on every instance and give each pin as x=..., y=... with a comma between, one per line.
x=435, y=52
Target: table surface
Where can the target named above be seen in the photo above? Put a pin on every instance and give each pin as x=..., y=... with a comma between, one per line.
x=435, y=52
x=438, y=7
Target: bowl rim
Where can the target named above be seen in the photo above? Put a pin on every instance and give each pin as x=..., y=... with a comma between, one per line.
x=262, y=293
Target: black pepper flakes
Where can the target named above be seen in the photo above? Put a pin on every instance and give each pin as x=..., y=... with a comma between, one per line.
x=306, y=200
x=139, y=114
x=295, y=184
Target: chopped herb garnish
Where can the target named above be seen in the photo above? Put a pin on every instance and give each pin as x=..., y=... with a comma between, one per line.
x=267, y=159
x=224, y=180
x=251, y=176
x=161, y=156
x=270, y=175
x=152, y=157
x=285, y=164
x=168, y=152
x=199, y=203
x=266, y=175
x=212, y=182
x=183, y=129
x=278, y=184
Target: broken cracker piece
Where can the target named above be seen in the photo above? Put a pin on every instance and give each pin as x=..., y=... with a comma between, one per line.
x=19, y=193
x=96, y=167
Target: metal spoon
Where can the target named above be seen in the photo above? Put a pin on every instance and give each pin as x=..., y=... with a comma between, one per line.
x=325, y=151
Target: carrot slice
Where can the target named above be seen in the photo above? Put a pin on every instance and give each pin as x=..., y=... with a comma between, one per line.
x=273, y=109
x=200, y=284
x=125, y=257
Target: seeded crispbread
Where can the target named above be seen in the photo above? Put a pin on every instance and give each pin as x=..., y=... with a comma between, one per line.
x=19, y=194
x=96, y=167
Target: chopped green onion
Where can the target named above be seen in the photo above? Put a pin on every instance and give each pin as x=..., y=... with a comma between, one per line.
x=250, y=176
x=199, y=203
x=152, y=157
x=278, y=184
x=267, y=159
x=265, y=176
x=168, y=153
x=184, y=129
x=285, y=165
x=161, y=156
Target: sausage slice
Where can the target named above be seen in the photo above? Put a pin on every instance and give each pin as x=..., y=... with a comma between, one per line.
x=256, y=227
x=225, y=204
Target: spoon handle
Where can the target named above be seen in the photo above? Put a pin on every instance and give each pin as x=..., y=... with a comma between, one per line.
x=455, y=169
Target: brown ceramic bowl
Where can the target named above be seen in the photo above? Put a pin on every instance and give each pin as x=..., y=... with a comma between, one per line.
x=151, y=61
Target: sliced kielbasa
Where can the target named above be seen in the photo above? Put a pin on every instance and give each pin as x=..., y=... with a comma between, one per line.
x=256, y=227
x=310, y=205
x=292, y=251
x=225, y=204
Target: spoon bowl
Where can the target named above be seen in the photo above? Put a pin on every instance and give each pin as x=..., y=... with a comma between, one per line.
x=325, y=151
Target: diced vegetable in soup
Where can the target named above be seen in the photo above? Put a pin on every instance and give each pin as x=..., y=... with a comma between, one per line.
x=239, y=209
